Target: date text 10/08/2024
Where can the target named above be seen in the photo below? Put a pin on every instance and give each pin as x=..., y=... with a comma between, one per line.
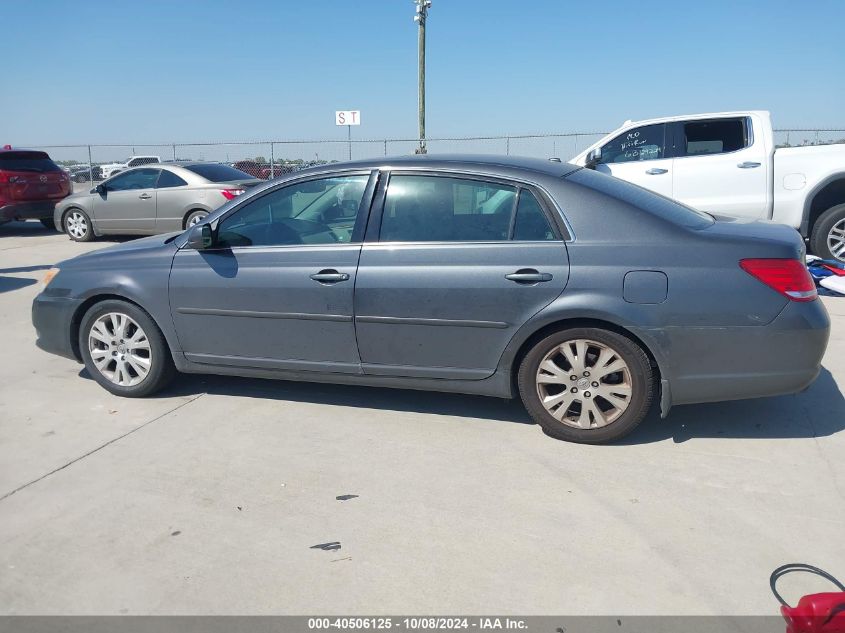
x=417, y=623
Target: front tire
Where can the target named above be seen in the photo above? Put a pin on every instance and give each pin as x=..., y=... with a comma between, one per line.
x=827, y=239
x=124, y=350
x=77, y=225
x=586, y=385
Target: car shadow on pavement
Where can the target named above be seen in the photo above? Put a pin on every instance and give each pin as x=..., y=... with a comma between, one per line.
x=405, y=400
x=7, y=284
x=818, y=411
x=25, y=229
x=25, y=269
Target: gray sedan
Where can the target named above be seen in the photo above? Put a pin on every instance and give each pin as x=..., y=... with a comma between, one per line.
x=151, y=199
x=587, y=296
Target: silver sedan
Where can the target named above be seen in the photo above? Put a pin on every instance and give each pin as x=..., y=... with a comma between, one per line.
x=149, y=200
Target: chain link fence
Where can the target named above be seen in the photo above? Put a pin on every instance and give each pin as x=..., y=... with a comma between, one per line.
x=270, y=159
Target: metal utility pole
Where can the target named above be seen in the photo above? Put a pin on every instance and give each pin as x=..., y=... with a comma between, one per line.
x=420, y=18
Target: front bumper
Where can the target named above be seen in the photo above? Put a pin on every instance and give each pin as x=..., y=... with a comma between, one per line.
x=51, y=316
x=711, y=364
x=39, y=210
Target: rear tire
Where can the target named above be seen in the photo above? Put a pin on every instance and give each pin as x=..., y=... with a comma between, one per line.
x=124, y=350
x=195, y=217
x=586, y=385
x=827, y=239
x=77, y=225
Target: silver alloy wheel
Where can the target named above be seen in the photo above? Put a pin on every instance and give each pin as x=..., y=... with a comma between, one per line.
x=76, y=224
x=836, y=240
x=584, y=384
x=196, y=219
x=120, y=349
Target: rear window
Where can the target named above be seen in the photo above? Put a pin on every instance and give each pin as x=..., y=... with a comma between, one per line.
x=218, y=173
x=27, y=161
x=657, y=205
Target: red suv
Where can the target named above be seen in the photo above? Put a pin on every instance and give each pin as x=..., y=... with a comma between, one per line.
x=30, y=185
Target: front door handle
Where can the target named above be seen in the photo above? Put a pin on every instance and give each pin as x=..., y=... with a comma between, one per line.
x=654, y=171
x=749, y=164
x=330, y=276
x=145, y=196
x=528, y=276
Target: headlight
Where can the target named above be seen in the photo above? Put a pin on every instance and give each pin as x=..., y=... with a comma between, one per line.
x=48, y=277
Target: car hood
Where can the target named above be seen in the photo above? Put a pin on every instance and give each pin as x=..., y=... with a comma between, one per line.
x=144, y=246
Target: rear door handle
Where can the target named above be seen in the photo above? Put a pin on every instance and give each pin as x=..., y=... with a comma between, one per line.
x=330, y=276
x=528, y=276
x=654, y=171
x=749, y=164
x=145, y=196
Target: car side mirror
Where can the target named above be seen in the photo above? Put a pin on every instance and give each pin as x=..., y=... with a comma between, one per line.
x=101, y=189
x=593, y=158
x=200, y=237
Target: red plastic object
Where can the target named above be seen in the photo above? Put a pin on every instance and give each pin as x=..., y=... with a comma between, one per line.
x=814, y=613
x=835, y=269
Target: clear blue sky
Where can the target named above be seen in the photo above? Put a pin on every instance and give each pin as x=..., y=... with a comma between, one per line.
x=190, y=70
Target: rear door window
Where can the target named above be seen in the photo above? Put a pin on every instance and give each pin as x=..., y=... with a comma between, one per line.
x=714, y=136
x=647, y=142
x=169, y=179
x=27, y=161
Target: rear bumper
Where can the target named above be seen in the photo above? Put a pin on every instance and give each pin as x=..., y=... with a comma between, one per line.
x=38, y=210
x=51, y=317
x=714, y=364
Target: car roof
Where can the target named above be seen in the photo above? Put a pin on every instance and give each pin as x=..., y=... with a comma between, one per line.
x=189, y=163
x=464, y=162
x=9, y=148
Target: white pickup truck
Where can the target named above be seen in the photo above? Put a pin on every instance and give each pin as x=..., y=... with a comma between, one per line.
x=110, y=169
x=726, y=163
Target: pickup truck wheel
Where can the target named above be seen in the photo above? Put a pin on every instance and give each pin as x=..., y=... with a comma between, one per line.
x=827, y=239
x=586, y=385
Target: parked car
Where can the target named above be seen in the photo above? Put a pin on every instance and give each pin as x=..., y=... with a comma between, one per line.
x=263, y=170
x=148, y=200
x=110, y=169
x=30, y=185
x=586, y=295
x=84, y=173
x=727, y=163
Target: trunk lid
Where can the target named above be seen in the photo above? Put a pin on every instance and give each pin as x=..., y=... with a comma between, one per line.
x=758, y=238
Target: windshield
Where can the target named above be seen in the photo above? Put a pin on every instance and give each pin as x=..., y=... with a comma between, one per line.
x=216, y=172
x=27, y=161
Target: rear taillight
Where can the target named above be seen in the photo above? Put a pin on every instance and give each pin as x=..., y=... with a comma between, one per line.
x=231, y=194
x=789, y=277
